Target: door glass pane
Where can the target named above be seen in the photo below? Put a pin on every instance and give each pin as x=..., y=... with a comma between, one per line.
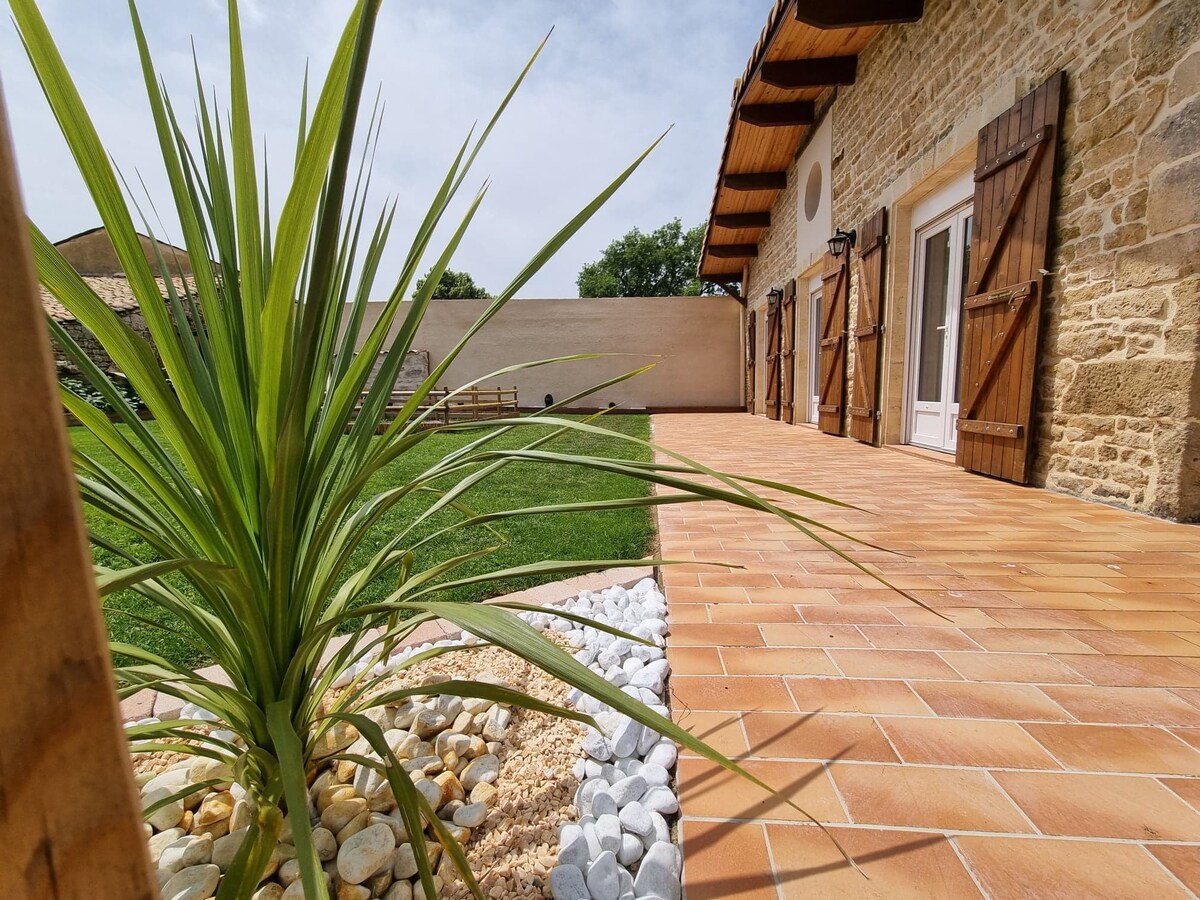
x=933, y=316
x=814, y=352
x=962, y=299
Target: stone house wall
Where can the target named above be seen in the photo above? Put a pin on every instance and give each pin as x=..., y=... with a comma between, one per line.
x=1118, y=382
x=87, y=341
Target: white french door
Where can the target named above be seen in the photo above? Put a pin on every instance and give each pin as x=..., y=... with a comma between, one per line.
x=814, y=354
x=943, y=250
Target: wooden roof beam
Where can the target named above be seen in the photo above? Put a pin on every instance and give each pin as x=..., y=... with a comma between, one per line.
x=743, y=220
x=858, y=13
x=755, y=181
x=772, y=115
x=809, y=73
x=732, y=251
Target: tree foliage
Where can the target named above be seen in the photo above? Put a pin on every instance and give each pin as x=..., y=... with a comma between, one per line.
x=455, y=286
x=661, y=263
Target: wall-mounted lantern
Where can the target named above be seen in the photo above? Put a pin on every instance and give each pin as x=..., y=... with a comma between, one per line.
x=774, y=295
x=841, y=240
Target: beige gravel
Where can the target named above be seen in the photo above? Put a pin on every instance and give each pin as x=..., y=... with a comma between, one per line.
x=514, y=850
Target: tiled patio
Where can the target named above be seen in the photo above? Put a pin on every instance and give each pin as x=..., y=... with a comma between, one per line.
x=1043, y=742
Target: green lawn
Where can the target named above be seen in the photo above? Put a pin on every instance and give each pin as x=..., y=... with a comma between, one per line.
x=621, y=534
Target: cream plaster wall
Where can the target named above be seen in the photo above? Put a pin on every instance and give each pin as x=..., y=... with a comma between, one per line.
x=694, y=342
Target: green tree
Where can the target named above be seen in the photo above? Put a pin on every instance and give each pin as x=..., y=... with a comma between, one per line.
x=659, y=264
x=455, y=286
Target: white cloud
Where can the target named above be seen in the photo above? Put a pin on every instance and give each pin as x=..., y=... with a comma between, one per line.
x=614, y=75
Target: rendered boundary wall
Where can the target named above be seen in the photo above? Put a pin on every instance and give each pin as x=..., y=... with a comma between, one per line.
x=694, y=341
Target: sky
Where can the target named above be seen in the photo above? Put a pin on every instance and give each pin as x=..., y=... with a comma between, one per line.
x=614, y=75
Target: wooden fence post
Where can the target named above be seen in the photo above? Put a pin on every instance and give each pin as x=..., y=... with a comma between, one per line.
x=70, y=820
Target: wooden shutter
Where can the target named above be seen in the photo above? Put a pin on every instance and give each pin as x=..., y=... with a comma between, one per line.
x=1014, y=183
x=751, y=351
x=771, y=397
x=868, y=330
x=831, y=380
x=787, y=355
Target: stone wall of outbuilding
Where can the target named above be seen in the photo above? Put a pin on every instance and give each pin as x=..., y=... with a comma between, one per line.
x=1118, y=394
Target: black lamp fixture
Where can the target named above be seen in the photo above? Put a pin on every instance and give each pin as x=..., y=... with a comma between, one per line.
x=774, y=295
x=841, y=240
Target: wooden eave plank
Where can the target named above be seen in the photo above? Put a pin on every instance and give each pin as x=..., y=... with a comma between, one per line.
x=844, y=14
x=798, y=74
x=733, y=251
x=775, y=115
x=750, y=220
x=728, y=269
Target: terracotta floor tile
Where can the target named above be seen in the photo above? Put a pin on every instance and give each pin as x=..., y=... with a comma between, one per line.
x=720, y=730
x=965, y=742
x=1138, y=620
x=925, y=797
x=1187, y=788
x=1184, y=863
x=707, y=595
x=1133, y=671
x=741, y=579
x=695, y=660
x=709, y=791
x=1117, y=748
x=853, y=615
x=1048, y=601
x=1033, y=668
x=954, y=618
x=856, y=695
x=814, y=636
x=1063, y=585
x=1152, y=585
x=1011, y=868
x=1061, y=619
x=688, y=614
x=716, y=635
x=946, y=600
x=1189, y=736
x=817, y=736
x=754, y=613
x=1123, y=705
x=900, y=865
x=1103, y=806
x=1058, y=600
x=740, y=694
x=892, y=664
x=917, y=637
x=788, y=595
x=777, y=661
x=817, y=581
x=865, y=596
x=1027, y=640
x=1137, y=643
x=725, y=860
x=1017, y=702
x=1152, y=602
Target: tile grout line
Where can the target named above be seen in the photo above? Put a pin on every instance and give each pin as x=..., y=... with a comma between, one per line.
x=766, y=836
x=901, y=763
x=947, y=832
x=962, y=858
x=987, y=773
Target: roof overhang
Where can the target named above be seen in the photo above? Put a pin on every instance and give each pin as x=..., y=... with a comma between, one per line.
x=807, y=48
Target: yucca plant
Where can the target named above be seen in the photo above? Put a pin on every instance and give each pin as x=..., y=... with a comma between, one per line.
x=250, y=491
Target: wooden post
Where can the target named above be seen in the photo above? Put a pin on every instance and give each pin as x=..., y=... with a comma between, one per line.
x=70, y=820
